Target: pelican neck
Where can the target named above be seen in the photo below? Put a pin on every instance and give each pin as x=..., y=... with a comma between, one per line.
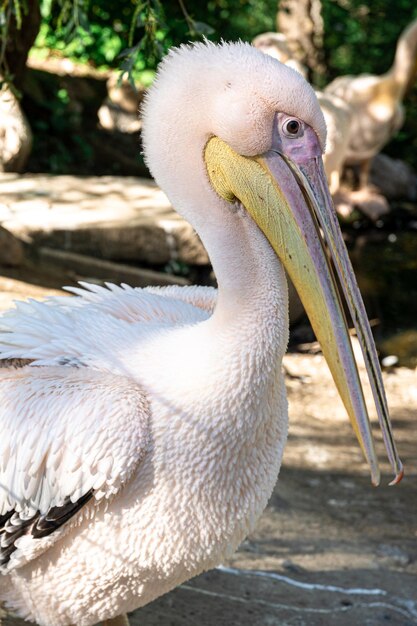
x=251, y=279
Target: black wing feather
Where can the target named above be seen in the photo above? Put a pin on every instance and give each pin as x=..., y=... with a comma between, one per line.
x=13, y=526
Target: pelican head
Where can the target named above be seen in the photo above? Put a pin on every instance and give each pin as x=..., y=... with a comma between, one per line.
x=246, y=132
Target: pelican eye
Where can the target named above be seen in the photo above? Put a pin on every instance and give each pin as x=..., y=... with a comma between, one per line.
x=292, y=128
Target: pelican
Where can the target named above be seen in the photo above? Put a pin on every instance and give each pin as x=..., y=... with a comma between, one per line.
x=143, y=437
x=376, y=103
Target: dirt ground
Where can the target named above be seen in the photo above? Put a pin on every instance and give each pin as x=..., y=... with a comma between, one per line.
x=330, y=548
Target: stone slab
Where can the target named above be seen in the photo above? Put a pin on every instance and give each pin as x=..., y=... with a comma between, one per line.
x=11, y=249
x=91, y=268
x=12, y=289
x=125, y=219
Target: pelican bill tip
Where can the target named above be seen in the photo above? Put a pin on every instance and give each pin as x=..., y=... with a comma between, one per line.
x=375, y=473
x=398, y=477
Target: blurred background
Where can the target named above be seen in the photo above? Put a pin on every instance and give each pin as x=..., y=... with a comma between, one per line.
x=77, y=203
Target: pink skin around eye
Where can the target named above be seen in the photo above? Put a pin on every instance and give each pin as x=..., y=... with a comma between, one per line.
x=299, y=149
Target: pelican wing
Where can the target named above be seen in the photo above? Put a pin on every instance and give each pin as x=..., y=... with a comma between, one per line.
x=149, y=304
x=73, y=424
x=204, y=298
x=97, y=326
x=68, y=436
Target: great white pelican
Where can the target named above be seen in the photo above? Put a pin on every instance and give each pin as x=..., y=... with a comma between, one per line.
x=142, y=435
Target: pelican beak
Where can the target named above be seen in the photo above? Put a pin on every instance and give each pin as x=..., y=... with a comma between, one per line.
x=291, y=204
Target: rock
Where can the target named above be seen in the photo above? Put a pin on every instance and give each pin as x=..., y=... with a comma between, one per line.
x=90, y=268
x=400, y=349
x=389, y=361
x=11, y=249
x=12, y=290
x=343, y=203
x=370, y=203
x=15, y=621
x=120, y=110
x=393, y=178
x=112, y=117
x=61, y=66
x=15, y=133
x=121, y=219
x=123, y=94
x=366, y=200
x=112, y=146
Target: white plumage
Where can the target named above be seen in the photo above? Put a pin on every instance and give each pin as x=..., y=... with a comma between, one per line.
x=142, y=439
x=84, y=409
x=90, y=422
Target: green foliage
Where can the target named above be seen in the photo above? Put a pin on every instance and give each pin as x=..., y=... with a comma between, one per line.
x=134, y=34
x=98, y=38
x=10, y=10
x=361, y=37
x=55, y=124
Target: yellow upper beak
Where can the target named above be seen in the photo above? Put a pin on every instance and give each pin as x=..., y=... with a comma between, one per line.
x=271, y=198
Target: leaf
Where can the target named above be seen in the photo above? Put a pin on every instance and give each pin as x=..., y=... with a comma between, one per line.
x=83, y=21
x=18, y=14
x=203, y=29
x=129, y=51
x=69, y=30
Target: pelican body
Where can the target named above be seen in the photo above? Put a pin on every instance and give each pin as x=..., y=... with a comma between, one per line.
x=142, y=437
